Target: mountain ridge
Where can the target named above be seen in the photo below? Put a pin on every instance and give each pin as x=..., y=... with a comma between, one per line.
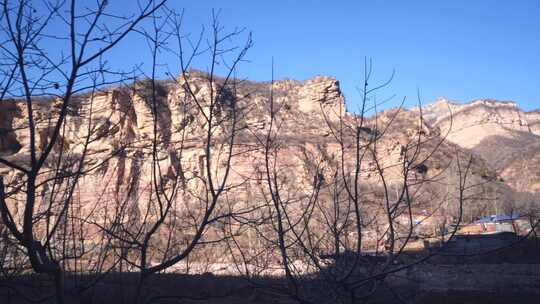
x=309, y=113
x=499, y=131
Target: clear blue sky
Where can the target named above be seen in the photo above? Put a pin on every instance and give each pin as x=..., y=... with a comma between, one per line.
x=461, y=49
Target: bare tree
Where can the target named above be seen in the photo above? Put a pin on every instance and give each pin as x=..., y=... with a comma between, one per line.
x=349, y=204
x=340, y=210
x=46, y=82
x=182, y=201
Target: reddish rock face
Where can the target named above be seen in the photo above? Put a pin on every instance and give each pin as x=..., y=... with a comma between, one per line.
x=117, y=129
x=507, y=137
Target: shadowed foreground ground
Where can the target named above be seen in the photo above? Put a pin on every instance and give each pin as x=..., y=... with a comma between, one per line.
x=509, y=275
x=173, y=288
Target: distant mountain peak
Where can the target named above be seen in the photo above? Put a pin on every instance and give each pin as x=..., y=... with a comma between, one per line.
x=503, y=134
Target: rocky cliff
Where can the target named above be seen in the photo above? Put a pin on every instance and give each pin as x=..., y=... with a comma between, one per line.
x=313, y=138
x=507, y=137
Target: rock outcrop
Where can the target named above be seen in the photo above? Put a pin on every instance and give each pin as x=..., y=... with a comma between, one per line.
x=507, y=137
x=118, y=128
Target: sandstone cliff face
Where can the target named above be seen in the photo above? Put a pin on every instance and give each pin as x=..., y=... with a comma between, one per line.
x=118, y=125
x=533, y=118
x=479, y=119
x=115, y=129
x=506, y=136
